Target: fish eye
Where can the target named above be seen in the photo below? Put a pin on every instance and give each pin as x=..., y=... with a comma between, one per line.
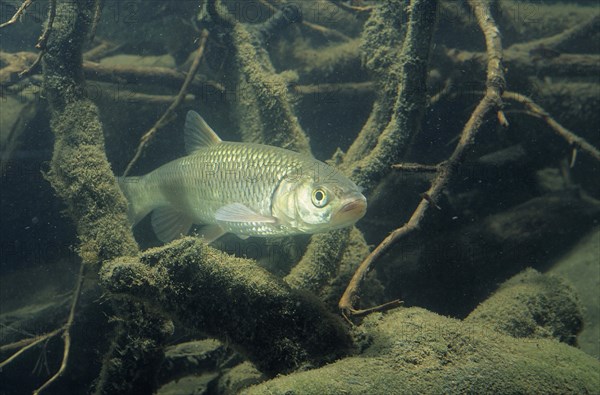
x=319, y=198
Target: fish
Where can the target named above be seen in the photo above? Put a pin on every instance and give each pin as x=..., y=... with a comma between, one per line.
x=246, y=189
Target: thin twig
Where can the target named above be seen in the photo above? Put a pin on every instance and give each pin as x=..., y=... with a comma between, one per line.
x=17, y=14
x=26, y=344
x=41, y=44
x=67, y=330
x=96, y=19
x=445, y=91
x=42, y=40
x=491, y=101
x=33, y=66
x=574, y=140
x=416, y=167
x=168, y=115
x=563, y=39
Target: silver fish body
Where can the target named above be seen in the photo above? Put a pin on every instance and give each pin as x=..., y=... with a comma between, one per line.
x=241, y=188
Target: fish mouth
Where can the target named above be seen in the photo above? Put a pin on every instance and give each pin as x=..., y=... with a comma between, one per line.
x=350, y=212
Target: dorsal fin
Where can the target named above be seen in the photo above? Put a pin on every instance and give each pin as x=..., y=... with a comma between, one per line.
x=197, y=133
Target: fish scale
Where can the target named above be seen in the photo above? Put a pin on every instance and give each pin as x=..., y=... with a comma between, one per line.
x=228, y=173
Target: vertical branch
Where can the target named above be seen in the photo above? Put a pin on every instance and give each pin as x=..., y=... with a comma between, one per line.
x=82, y=177
x=381, y=46
x=41, y=44
x=493, y=42
x=320, y=261
x=79, y=170
x=410, y=100
x=262, y=107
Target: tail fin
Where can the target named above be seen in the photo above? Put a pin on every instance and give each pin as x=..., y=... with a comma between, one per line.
x=138, y=199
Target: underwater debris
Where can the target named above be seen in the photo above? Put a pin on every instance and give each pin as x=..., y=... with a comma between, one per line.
x=233, y=299
x=412, y=350
x=81, y=175
x=402, y=122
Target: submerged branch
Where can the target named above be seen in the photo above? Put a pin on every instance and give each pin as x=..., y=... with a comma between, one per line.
x=26, y=344
x=119, y=74
x=410, y=102
x=261, y=105
x=563, y=40
x=170, y=112
x=519, y=62
x=491, y=101
x=82, y=177
x=66, y=330
x=235, y=300
x=578, y=143
x=92, y=196
x=17, y=14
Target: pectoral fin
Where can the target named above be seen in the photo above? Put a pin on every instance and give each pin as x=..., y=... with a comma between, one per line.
x=237, y=212
x=169, y=224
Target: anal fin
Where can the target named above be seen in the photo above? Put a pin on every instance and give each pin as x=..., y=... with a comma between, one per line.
x=210, y=233
x=169, y=224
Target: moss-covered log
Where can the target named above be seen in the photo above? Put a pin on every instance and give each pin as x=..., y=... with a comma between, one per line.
x=79, y=170
x=232, y=299
x=416, y=351
x=320, y=261
x=82, y=177
x=534, y=306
